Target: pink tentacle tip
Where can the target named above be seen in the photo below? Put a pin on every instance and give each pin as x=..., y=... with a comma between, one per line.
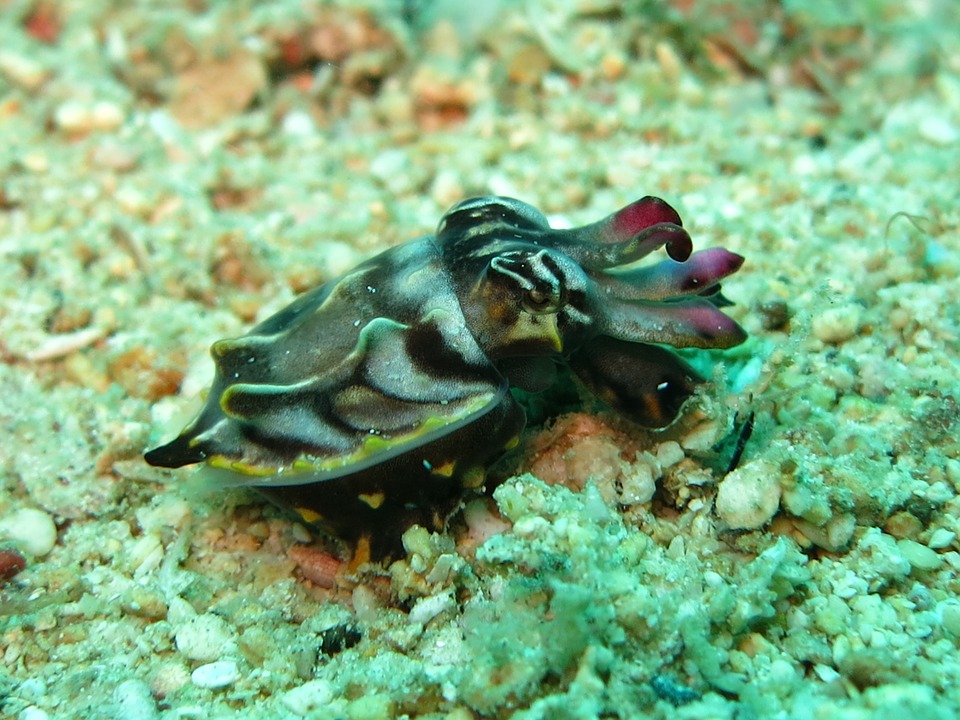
x=712, y=325
x=641, y=214
x=659, y=223
x=707, y=267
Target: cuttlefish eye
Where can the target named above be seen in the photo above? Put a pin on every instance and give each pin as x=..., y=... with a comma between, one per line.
x=539, y=303
x=537, y=277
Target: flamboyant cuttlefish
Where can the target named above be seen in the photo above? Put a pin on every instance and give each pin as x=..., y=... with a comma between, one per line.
x=374, y=401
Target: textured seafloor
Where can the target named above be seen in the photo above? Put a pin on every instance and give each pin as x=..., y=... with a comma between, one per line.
x=171, y=172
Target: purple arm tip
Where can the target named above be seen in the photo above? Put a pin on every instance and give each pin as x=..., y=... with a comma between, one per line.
x=705, y=268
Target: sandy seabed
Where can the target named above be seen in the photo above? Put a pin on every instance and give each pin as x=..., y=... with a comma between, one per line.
x=170, y=174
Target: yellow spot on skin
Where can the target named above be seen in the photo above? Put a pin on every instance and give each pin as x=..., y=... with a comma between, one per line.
x=557, y=342
x=361, y=555
x=237, y=466
x=374, y=500
x=307, y=515
x=512, y=443
x=542, y=329
x=445, y=470
x=222, y=347
x=375, y=444
x=474, y=477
